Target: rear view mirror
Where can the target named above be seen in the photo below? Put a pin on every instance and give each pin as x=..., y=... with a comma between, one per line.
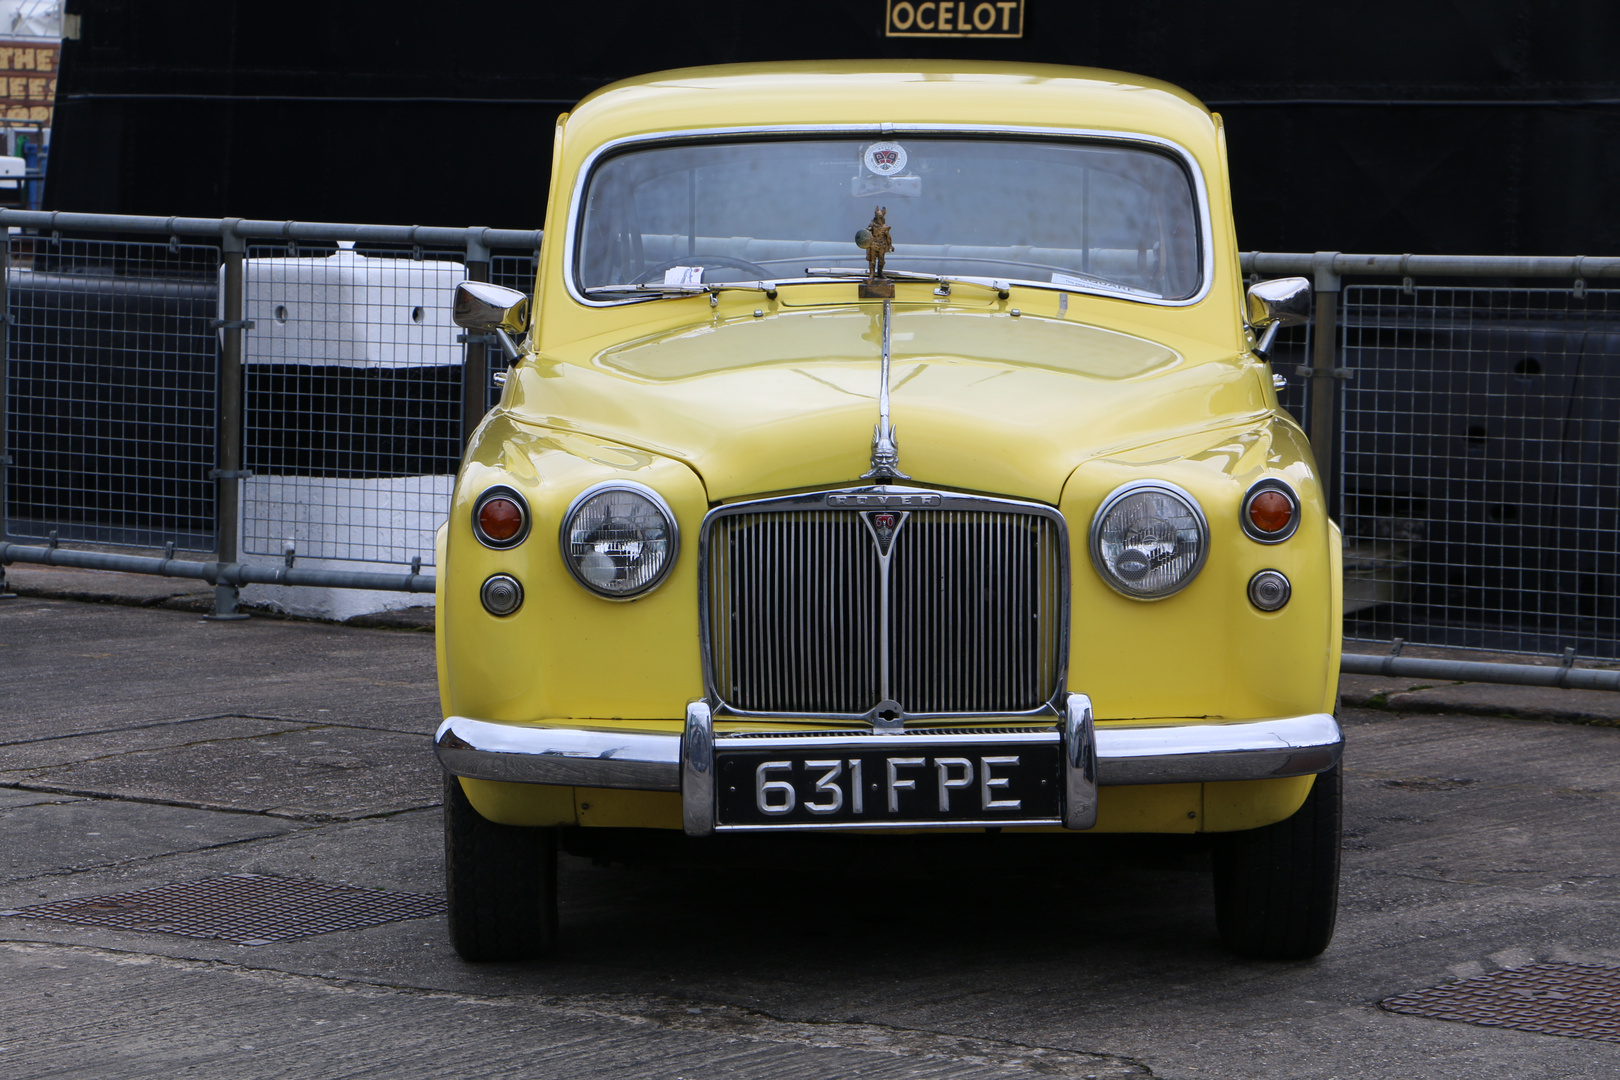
x=492, y=309
x=1275, y=304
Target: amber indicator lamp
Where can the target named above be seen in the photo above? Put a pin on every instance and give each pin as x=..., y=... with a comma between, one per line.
x=501, y=518
x=1271, y=511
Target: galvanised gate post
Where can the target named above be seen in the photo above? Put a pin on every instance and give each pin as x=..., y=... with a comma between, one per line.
x=475, y=369
x=229, y=410
x=5, y=393
x=1323, y=373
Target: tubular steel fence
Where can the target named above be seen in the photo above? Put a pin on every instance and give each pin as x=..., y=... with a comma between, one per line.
x=242, y=388
x=275, y=391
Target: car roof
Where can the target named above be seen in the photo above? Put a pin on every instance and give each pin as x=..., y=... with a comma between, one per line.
x=900, y=92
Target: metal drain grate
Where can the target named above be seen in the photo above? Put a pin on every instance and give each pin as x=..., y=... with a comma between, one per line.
x=1581, y=1001
x=247, y=909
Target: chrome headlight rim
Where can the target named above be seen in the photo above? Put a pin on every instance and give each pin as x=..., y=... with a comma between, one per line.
x=1253, y=531
x=1135, y=487
x=512, y=495
x=651, y=496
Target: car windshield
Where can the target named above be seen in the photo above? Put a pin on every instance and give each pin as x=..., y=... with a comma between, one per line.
x=1062, y=213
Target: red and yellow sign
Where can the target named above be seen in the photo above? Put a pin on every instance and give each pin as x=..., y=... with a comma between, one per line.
x=27, y=81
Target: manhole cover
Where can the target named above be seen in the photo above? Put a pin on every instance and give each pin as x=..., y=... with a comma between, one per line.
x=247, y=909
x=1578, y=1000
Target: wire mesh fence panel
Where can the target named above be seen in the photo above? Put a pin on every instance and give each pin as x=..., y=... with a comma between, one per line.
x=514, y=272
x=1481, y=467
x=352, y=421
x=1290, y=355
x=112, y=361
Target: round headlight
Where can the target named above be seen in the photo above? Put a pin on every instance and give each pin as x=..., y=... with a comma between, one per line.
x=1149, y=539
x=619, y=539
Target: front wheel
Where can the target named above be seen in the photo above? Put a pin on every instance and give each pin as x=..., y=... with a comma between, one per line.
x=1277, y=887
x=500, y=881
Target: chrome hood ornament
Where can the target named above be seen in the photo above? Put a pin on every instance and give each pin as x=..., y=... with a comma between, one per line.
x=885, y=449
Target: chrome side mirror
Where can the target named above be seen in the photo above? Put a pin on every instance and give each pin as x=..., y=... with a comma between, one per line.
x=492, y=309
x=1275, y=304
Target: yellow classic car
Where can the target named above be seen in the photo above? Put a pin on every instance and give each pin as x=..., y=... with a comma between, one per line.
x=885, y=448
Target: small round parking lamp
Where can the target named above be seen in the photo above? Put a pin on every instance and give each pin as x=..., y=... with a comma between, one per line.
x=501, y=594
x=1269, y=590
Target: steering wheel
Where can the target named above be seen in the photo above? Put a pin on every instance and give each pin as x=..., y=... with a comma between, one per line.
x=760, y=272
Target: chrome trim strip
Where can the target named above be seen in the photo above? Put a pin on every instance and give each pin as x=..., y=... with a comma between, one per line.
x=582, y=757
x=1206, y=237
x=814, y=826
x=655, y=761
x=697, y=771
x=1079, y=765
x=857, y=740
x=885, y=450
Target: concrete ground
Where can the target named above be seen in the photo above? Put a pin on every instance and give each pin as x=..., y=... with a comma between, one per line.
x=143, y=746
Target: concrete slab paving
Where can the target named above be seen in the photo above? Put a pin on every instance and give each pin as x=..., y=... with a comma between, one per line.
x=1473, y=843
x=55, y=839
x=238, y=763
x=107, y=586
x=68, y=668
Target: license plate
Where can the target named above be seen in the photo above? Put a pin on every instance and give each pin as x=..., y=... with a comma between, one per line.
x=845, y=786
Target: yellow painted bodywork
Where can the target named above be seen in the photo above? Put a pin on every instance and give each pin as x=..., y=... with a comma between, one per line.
x=1017, y=397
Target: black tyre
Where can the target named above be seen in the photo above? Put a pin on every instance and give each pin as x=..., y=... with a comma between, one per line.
x=1277, y=887
x=501, y=882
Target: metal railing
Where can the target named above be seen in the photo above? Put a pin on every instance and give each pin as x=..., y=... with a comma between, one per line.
x=241, y=388
x=265, y=390
x=1469, y=434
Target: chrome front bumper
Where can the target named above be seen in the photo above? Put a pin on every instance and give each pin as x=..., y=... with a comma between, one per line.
x=1115, y=754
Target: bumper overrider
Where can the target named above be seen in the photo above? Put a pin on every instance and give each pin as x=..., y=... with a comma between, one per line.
x=1090, y=756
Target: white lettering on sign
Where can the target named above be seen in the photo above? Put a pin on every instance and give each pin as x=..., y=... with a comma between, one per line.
x=766, y=790
x=988, y=781
x=828, y=785
x=896, y=785
x=948, y=782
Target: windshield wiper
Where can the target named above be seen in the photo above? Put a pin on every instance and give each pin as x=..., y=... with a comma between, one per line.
x=944, y=281
x=658, y=288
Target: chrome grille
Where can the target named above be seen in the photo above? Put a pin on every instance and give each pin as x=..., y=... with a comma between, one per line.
x=975, y=610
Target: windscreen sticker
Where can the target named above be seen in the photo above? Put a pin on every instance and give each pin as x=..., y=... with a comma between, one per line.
x=885, y=158
x=1098, y=283
x=683, y=275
